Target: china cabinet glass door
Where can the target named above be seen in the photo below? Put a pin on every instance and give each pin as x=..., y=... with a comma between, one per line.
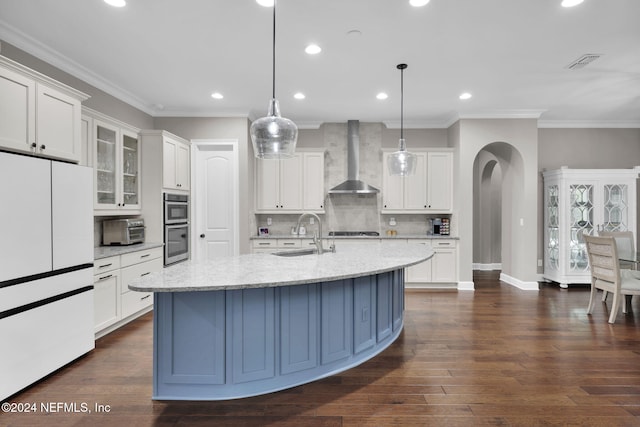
x=581, y=221
x=553, y=236
x=130, y=168
x=106, y=176
x=616, y=211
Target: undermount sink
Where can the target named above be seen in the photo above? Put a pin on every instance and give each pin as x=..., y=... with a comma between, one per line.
x=296, y=252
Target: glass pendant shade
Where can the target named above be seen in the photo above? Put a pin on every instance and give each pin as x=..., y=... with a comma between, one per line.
x=273, y=136
x=402, y=162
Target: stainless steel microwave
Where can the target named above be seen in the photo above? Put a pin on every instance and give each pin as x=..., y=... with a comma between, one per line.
x=123, y=231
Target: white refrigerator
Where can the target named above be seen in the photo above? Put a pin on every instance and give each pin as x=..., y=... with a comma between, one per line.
x=46, y=267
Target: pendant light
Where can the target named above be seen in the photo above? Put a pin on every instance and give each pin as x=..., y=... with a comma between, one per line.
x=273, y=136
x=401, y=162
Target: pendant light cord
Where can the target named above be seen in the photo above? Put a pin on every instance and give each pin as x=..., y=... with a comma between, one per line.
x=401, y=67
x=273, y=71
x=402, y=103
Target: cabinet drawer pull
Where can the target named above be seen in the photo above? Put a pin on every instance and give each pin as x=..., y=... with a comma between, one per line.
x=444, y=243
x=289, y=243
x=264, y=244
x=144, y=256
x=145, y=297
x=105, y=277
x=105, y=265
x=144, y=274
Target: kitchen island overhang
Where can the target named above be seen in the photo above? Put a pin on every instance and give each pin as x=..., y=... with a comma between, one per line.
x=254, y=324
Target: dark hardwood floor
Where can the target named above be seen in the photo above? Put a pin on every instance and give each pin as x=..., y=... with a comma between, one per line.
x=498, y=356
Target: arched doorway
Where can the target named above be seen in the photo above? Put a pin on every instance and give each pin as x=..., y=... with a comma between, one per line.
x=498, y=200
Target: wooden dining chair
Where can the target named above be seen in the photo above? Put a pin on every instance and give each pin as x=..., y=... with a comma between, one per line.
x=606, y=274
x=625, y=244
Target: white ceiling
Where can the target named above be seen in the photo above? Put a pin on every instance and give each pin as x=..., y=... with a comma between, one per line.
x=510, y=54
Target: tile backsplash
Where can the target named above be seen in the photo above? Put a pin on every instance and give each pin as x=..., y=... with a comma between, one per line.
x=350, y=212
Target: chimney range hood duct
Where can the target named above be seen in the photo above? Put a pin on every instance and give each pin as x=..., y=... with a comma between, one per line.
x=353, y=185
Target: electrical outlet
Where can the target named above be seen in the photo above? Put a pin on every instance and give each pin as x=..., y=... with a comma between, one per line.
x=312, y=221
x=269, y=221
x=539, y=263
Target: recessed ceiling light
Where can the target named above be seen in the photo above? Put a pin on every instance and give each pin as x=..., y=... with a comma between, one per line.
x=116, y=3
x=313, y=49
x=217, y=95
x=299, y=95
x=465, y=95
x=418, y=3
x=265, y=3
x=382, y=95
x=571, y=3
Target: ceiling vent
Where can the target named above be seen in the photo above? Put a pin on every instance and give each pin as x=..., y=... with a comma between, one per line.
x=583, y=61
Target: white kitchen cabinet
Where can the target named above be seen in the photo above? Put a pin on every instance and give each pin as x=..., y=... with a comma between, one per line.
x=440, y=271
x=37, y=114
x=117, y=165
x=279, y=185
x=114, y=304
x=428, y=190
x=291, y=185
x=106, y=295
x=176, y=164
x=580, y=201
x=313, y=181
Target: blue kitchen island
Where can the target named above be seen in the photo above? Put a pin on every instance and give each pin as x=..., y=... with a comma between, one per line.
x=254, y=324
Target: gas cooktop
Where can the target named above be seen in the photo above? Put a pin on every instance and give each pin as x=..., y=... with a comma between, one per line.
x=353, y=233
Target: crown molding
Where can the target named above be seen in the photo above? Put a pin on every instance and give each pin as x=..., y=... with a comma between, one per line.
x=42, y=52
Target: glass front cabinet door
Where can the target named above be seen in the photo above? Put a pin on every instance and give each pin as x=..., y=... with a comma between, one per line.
x=583, y=201
x=117, y=166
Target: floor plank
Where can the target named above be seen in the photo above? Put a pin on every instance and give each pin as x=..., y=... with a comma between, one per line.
x=498, y=356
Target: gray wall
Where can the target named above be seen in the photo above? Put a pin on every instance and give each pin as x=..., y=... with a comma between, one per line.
x=99, y=101
x=223, y=128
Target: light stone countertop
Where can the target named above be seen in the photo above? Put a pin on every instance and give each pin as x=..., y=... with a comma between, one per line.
x=267, y=270
x=107, y=251
x=381, y=237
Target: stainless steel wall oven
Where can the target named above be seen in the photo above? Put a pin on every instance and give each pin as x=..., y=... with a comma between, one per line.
x=176, y=228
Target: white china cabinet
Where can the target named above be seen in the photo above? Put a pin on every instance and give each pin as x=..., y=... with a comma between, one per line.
x=580, y=201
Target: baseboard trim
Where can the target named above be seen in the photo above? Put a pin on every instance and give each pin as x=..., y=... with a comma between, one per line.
x=466, y=286
x=525, y=286
x=487, y=267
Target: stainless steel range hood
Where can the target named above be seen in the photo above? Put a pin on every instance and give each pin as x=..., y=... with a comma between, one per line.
x=353, y=185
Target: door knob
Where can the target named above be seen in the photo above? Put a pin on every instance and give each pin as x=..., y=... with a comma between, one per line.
x=202, y=236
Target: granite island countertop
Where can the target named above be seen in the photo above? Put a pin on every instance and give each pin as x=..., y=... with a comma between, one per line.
x=342, y=238
x=262, y=270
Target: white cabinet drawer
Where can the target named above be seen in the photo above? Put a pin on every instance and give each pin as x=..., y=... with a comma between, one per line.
x=265, y=244
x=448, y=243
x=133, y=302
x=136, y=271
x=289, y=243
x=140, y=256
x=106, y=264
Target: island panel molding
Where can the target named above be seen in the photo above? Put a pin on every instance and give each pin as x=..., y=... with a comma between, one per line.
x=229, y=344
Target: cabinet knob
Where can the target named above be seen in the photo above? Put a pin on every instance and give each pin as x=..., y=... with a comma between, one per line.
x=34, y=145
x=202, y=236
x=42, y=147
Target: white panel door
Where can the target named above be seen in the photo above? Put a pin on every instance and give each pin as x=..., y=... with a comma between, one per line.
x=215, y=201
x=415, y=186
x=169, y=153
x=183, y=170
x=58, y=124
x=313, y=181
x=72, y=214
x=440, y=181
x=17, y=111
x=392, y=187
x=291, y=183
x=25, y=216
